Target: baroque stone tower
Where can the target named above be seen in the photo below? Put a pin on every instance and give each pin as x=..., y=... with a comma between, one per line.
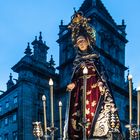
x=24, y=98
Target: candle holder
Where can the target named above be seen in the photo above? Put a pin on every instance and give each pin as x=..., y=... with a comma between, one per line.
x=52, y=130
x=46, y=136
x=37, y=130
x=134, y=131
x=60, y=120
x=138, y=131
x=83, y=124
x=130, y=105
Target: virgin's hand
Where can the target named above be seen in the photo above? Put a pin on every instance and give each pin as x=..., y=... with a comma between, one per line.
x=70, y=86
x=100, y=84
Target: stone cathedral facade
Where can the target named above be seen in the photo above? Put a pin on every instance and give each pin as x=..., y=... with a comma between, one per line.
x=22, y=104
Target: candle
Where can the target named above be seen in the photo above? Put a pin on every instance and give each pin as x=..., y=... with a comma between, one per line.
x=130, y=104
x=85, y=71
x=130, y=97
x=60, y=118
x=52, y=112
x=51, y=95
x=45, y=120
x=138, y=109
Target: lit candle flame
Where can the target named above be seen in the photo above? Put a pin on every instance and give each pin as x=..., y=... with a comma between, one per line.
x=85, y=70
x=43, y=98
x=50, y=82
x=60, y=118
x=129, y=77
x=138, y=88
x=60, y=103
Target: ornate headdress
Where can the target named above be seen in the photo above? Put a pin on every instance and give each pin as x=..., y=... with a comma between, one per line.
x=79, y=26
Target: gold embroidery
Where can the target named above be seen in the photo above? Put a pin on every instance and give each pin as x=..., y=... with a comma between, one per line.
x=89, y=92
x=88, y=132
x=88, y=76
x=87, y=111
x=93, y=103
x=88, y=120
x=92, y=114
x=76, y=113
x=87, y=102
x=76, y=136
x=90, y=66
x=93, y=69
x=73, y=122
x=94, y=85
x=76, y=104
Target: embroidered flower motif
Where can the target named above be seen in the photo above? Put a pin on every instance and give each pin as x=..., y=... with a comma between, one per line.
x=87, y=111
x=87, y=102
x=89, y=92
x=93, y=103
x=88, y=120
x=74, y=114
x=77, y=113
x=93, y=69
x=73, y=122
x=92, y=114
x=88, y=132
x=94, y=85
x=76, y=104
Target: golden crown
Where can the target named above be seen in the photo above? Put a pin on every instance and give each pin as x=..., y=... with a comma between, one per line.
x=79, y=26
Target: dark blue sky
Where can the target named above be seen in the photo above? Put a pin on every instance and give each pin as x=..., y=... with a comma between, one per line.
x=21, y=21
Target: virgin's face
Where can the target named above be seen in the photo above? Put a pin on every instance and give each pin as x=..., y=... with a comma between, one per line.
x=82, y=43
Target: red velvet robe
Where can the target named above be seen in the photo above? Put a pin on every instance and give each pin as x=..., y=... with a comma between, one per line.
x=101, y=113
x=92, y=98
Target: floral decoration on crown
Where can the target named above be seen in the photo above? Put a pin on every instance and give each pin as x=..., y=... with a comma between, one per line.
x=79, y=26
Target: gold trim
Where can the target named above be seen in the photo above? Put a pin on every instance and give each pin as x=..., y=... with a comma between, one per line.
x=88, y=76
x=94, y=85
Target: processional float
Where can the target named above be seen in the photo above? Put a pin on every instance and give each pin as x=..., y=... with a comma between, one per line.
x=134, y=130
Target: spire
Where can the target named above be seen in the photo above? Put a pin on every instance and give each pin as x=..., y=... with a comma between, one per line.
x=35, y=41
x=122, y=27
x=61, y=22
x=40, y=37
x=123, y=23
x=35, y=38
x=28, y=50
x=128, y=72
x=10, y=82
x=52, y=62
x=44, y=42
x=40, y=49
